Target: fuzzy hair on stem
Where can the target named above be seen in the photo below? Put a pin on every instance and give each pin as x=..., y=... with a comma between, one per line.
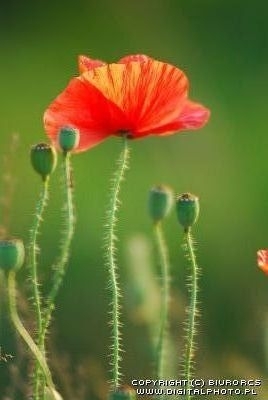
x=33, y=250
x=192, y=311
x=111, y=263
x=68, y=233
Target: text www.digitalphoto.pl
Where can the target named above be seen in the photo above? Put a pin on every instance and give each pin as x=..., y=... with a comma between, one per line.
x=197, y=387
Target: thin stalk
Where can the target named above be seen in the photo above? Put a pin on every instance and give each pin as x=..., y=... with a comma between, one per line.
x=165, y=280
x=110, y=247
x=38, y=355
x=60, y=266
x=191, y=329
x=33, y=250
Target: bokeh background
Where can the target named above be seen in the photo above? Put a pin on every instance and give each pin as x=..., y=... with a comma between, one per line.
x=222, y=46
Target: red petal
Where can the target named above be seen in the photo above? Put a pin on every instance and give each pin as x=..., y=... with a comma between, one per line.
x=83, y=106
x=262, y=258
x=151, y=94
x=192, y=116
x=86, y=64
x=139, y=95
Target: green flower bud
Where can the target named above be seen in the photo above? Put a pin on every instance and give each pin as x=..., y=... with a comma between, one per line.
x=11, y=254
x=123, y=393
x=44, y=159
x=187, y=206
x=160, y=202
x=50, y=396
x=68, y=138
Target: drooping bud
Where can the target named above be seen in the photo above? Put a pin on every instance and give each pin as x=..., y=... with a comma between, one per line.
x=43, y=159
x=160, y=202
x=52, y=394
x=123, y=393
x=68, y=138
x=187, y=206
x=12, y=254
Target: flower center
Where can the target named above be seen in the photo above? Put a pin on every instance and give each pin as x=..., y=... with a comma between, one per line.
x=126, y=133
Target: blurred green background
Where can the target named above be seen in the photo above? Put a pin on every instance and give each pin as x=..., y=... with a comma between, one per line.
x=222, y=47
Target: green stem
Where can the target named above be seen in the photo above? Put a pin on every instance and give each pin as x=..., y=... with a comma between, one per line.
x=24, y=334
x=60, y=266
x=191, y=330
x=110, y=246
x=165, y=279
x=33, y=250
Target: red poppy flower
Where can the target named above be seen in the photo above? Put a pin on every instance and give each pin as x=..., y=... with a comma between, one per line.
x=138, y=96
x=262, y=256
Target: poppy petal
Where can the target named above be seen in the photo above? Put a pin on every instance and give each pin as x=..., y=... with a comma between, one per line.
x=86, y=63
x=192, y=116
x=151, y=94
x=262, y=259
x=138, y=95
x=82, y=106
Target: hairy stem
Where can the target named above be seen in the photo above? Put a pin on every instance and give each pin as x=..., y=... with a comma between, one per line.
x=33, y=250
x=110, y=246
x=38, y=355
x=60, y=266
x=191, y=329
x=165, y=279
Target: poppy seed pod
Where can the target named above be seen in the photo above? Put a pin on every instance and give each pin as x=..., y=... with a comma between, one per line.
x=12, y=254
x=68, y=138
x=43, y=159
x=123, y=393
x=187, y=207
x=160, y=202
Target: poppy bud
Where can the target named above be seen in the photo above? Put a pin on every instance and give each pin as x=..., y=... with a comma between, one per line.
x=68, y=138
x=187, y=206
x=11, y=254
x=123, y=393
x=160, y=202
x=50, y=396
x=43, y=159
